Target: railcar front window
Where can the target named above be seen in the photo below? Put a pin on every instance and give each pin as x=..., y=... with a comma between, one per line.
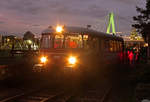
x=73, y=41
x=86, y=42
x=62, y=41
x=46, y=42
x=58, y=43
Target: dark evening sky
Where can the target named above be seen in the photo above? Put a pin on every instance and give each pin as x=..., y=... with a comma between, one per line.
x=18, y=16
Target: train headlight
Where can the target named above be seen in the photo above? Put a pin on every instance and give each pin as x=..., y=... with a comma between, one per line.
x=72, y=60
x=43, y=59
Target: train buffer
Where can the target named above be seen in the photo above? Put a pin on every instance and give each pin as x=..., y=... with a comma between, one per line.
x=23, y=52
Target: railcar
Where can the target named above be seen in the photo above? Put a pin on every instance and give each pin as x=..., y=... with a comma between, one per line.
x=75, y=48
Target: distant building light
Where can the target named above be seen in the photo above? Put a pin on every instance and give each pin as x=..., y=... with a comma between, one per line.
x=8, y=40
x=29, y=42
x=146, y=45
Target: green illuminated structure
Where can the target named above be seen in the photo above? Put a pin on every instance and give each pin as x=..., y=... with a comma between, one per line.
x=111, y=23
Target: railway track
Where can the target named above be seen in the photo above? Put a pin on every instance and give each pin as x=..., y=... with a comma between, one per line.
x=48, y=95
x=142, y=91
x=41, y=95
x=93, y=96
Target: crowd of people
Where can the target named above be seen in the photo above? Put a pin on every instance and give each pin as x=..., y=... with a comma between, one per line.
x=133, y=55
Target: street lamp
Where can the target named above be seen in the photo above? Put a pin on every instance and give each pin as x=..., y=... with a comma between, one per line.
x=29, y=42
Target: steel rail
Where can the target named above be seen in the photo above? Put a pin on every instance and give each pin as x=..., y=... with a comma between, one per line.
x=105, y=96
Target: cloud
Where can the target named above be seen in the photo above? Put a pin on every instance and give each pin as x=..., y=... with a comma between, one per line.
x=36, y=25
x=2, y=22
x=126, y=1
x=37, y=14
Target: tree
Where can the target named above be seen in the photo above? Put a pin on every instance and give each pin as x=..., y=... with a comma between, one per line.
x=134, y=34
x=28, y=36
x=142, y=20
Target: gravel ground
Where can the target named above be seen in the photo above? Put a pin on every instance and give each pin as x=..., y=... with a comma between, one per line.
x=133, y=83
x=123, y=78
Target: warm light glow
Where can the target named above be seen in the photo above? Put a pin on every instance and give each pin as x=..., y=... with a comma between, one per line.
x=43, y=59
x=29, y=41
x=72, y=60
x=59, y=29
x=146, y=45
x=8, y=39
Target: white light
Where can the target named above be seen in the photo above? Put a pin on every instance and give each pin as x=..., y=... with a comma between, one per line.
x=59, y=29
x=72, y=60
x=43, y=59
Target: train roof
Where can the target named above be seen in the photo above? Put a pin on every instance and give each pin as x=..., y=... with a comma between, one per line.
x=81, y=30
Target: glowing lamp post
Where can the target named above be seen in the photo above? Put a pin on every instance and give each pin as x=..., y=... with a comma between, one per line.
x=29, y=44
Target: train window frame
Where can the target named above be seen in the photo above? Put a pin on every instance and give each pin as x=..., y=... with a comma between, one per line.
x=60, y=40
x=85, y=39
x=106, y=45
x=52, y=41
x=115, y=45
x=79, y=42
x=48, y=38
x=111, y=45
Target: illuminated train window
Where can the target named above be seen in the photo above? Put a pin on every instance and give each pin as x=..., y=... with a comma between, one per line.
x=85, y=37
x=111, y=45
x=85, y=41
x=64, y=41
x=46, y=42
x=73, y=41
x=58, y=42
